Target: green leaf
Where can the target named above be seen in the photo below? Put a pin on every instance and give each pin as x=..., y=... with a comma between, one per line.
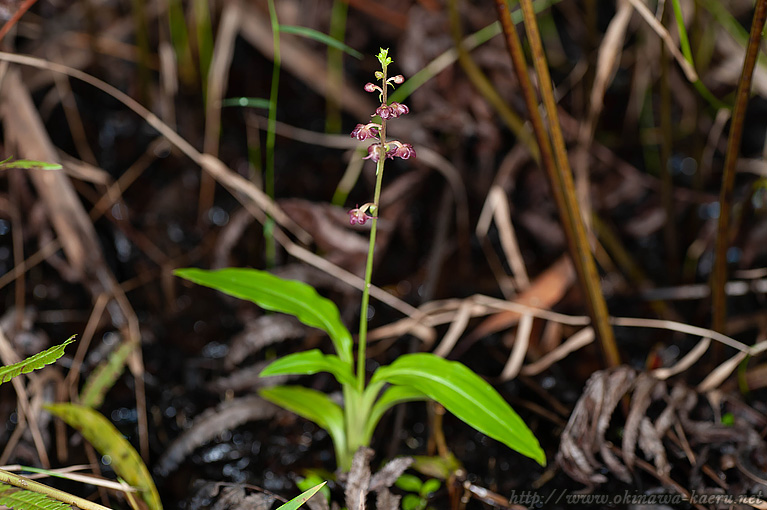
x=105, y=375
x=412, y=502
x=408, y=482
x=278, y=295
x=35, y=362
x=314, y=406
x=466, y=395
x=312, y=479
x=29, y=164
x=318, y=36
x=301, y=498
x=20, y=499
x=108, y=441
x=429, y=486
x=311, y=362
x=249, y=102
x=392, y=396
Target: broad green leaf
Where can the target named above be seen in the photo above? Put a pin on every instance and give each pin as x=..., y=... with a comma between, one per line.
x=408, y=482
x=108, y=441
x=278, y=295
x=21, y=499
x=249, y=102
x=105, y=375
x=35, y=362
x=301, y=498
x=466, y=395
x=318, y=36
x=314, y=406
x=311, y=362
x=29, y=164
x=392, y=396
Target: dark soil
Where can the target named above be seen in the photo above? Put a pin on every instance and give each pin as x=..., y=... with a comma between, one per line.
x=155, y=221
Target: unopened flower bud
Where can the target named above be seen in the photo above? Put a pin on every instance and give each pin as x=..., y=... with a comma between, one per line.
x=398, y=79
x=371, y=87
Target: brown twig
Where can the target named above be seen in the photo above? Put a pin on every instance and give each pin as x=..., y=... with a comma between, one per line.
x=719, y=274
x=554, y=161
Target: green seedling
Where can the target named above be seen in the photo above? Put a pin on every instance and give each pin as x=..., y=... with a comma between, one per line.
x=411, y=377
x=419, y=491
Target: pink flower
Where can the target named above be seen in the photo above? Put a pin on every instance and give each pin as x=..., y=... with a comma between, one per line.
x=399, y=109
x=400, y=150
x=365, y=131
x=374, y=152
x=359, y=215
x=385, y=112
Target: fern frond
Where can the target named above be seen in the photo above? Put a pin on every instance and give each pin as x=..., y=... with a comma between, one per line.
x=20, y=499
x=35, y=362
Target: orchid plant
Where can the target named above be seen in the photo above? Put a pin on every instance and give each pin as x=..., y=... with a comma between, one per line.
x=411, y=377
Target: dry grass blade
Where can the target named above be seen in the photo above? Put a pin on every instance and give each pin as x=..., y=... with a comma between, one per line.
x=659, y=29
x=497, y=206
x=580, y=339
x=607, y=65
x=217, y=79
x=545, y=291
x=720, y=373
x=519, y=349
x=457, y=327
x=686, y=362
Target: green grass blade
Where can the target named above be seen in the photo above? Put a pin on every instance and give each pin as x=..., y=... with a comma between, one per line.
x=320, y=37
x=108, y=441
x=246, y=102
x=278, y=295
x=35, y=362
x=466, y=395
x=29, y=164
x=301, y=498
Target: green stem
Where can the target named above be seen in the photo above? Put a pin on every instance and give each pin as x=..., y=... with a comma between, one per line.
x=371, y=246
x=271, y=132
